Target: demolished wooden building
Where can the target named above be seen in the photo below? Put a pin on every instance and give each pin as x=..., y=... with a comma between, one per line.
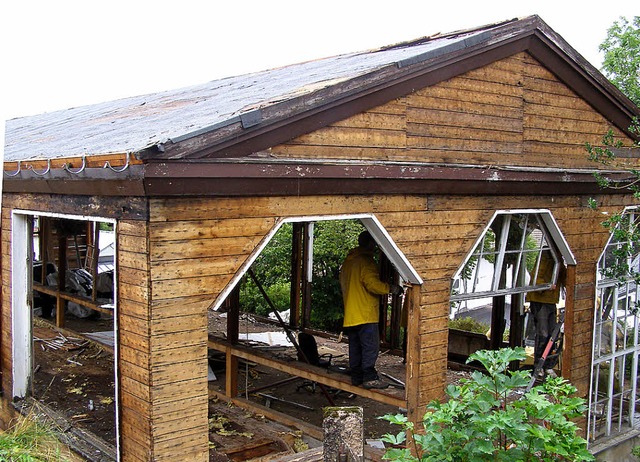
x=428, y=143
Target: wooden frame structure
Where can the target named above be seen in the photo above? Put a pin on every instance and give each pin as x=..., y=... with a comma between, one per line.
x=430, y=137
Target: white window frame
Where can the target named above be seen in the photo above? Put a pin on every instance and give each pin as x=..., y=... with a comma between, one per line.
x=551, y=232
x=613, y=403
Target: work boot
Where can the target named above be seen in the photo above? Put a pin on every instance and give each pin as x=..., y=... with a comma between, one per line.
x=377, y=384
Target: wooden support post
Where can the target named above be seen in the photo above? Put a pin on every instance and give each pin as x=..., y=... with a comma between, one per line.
x=306, y=284
x=296, y=275
x=95, y=254
x=412, y=379
x=231, y=374
x=62, y=278
x=497, y=322
x=343, y=434
x=233, y=331
x=567, y=351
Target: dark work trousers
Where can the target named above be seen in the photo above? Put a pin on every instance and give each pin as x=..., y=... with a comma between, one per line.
x=544, y=320
x=364, y=344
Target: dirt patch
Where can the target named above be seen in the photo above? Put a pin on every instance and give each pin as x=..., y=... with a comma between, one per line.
x=75, y=376
x=296, y=397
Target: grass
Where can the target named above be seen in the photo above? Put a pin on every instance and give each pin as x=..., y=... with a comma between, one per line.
x=30, y=441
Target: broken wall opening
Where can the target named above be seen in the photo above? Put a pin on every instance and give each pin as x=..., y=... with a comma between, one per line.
x=69, y=321
x=290, y=277
x=487, y=304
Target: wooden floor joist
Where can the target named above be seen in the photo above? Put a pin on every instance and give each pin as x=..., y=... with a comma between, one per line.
x=305, y=371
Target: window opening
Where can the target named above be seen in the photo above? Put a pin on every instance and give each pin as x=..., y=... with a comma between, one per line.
x=613, y=396
x=298, y=267
x=487, y=291
x=70, y=325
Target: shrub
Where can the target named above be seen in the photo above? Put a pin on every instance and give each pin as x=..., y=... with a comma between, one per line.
x=469, y=324
x=490, y=418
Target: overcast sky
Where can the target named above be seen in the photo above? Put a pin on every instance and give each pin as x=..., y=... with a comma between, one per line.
x=61, y=54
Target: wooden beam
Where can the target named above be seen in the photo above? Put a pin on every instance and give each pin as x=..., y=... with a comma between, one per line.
x=67, y=296
x=304, y=371
x=62, y=273
x=296, y=275
x=567, y=351
x=412, y=333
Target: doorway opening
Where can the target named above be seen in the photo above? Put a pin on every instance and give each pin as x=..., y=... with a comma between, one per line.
x=65, y=320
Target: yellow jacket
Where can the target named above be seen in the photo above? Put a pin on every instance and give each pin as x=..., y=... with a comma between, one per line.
x=361, y=288
x=545, y=273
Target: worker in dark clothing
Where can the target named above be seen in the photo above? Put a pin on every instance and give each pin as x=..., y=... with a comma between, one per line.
x=361, y=290
x=543, y=306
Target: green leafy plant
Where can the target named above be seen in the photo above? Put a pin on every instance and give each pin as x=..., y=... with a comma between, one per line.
x=490, y=418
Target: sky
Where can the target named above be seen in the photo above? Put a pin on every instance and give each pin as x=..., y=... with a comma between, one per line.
x=67, y=53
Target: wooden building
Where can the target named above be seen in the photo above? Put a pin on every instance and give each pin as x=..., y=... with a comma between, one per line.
x=430, y=144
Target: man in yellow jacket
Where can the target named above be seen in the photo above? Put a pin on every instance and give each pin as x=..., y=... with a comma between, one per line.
x=543, y=305
x=361, y=290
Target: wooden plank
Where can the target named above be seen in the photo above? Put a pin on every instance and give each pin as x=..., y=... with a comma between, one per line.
x=196, y=337
x=134, y=260
x=196, y=267
x=305, y=371
x=135, y=388
x=195, y=368
x=421, y=103
x=180, y=392
x=167, y=325
x=135, y=293
x=199, y=208
x=171, y=356
x=186, y=287
x=180, y=306
x=188, y=422
x=139, y=373
x=170, y=413
x=471, y=123
x=135, y=244
x=135, y=340
x=343, y=136
x=210, y=229
x=178, y=250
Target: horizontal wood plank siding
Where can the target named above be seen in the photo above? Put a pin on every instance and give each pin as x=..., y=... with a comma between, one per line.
x=513, y=112
x=134, y=351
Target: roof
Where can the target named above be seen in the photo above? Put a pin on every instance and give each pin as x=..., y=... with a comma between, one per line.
x=214, y=118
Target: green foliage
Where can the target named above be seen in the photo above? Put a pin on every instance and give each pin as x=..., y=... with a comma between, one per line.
x=468, y=324
x=487, y=418
x=332, y=240
x=29, y=441
x=621, y=62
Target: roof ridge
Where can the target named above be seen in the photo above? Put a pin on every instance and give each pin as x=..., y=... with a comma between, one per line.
x=440, y=35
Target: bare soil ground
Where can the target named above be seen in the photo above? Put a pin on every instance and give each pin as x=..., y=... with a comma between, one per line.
x=76, y=377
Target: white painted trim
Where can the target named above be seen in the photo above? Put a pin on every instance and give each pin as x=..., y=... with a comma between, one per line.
x=21, y=306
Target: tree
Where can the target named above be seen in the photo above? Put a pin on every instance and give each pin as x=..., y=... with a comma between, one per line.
x=621, y=62
x=489, y=418
x=622, y=66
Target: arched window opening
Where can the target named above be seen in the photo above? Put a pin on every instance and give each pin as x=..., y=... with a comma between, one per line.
x=487, y=291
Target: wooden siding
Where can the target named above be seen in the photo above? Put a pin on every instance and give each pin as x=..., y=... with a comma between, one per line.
x=132, y=312
x=434, y=232
x=513, y=112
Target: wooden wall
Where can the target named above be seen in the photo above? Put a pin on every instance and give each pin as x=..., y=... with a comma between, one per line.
x=512, y=112
x=133, y=277
x=213, y=237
